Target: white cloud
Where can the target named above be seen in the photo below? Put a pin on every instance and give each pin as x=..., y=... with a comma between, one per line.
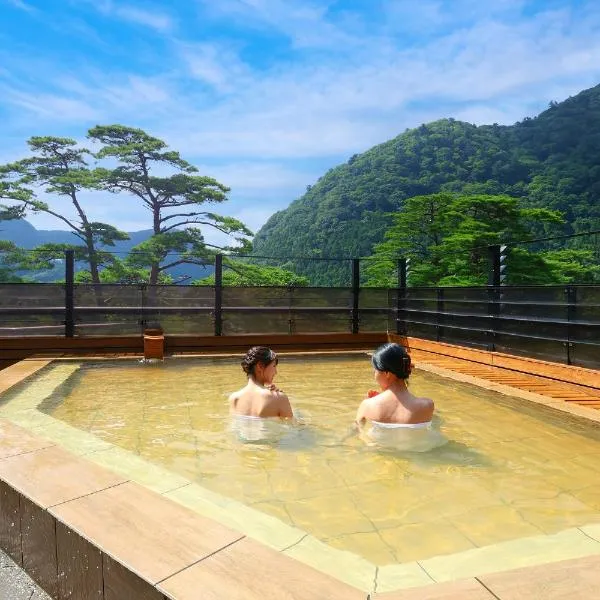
x=149, y=16
x=50, y=106
x=215, y=65
x=305, y=22
x=152, y=19
x=22, y=5
x=210, y=102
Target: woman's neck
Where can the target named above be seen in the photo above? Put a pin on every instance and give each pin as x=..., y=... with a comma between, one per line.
x=399, y=386
x=258, y=381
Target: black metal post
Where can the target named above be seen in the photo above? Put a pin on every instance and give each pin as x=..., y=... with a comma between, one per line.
x=219, y=294
x=571, y=293
x=143, y=302
x=440, y=314
x=69, y=293
x=401, y=328
x=494, y=273
x=355, y=294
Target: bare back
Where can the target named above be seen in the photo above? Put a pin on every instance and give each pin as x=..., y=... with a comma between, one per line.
x=256, y=401
x=392, y=407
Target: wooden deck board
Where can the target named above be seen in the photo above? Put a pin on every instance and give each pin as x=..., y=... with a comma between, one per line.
x=456, y=358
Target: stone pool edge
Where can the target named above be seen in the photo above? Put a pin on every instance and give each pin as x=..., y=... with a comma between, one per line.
x=344, y=566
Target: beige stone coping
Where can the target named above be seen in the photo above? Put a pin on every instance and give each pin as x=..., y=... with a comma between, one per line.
x=224, y=521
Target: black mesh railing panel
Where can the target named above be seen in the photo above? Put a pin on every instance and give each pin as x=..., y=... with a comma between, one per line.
x=255, y=321
x=585, y=355
x=256, y=296
x=324, y=297
x=378, y=320
x=466, y=337
x=322, y=322
x=463, y=321
x=32, y=295
x=177, y=296
x=18, y=300
x=533, y=329
x=108, y=296
x=584, y=333
x=533, y=294
x=533, y=347
x=89, y=324
x=373, y=298
x=374, y=313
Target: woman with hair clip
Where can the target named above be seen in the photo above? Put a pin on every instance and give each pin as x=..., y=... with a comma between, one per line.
x=394, y=412
x=260, y=398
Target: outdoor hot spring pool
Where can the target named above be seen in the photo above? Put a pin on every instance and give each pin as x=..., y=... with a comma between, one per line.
x=509, y=470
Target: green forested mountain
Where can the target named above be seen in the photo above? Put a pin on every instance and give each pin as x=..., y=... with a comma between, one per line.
x=551, y=161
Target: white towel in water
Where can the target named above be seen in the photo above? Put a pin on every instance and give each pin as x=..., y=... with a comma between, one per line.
x=257, y=429
x=407, y=437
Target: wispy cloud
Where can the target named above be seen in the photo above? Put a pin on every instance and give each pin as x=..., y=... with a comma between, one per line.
x=254, y=112
x=146, y=16
x=305, y=22
x=216, y=65
x=153, y=19
x=22, y=5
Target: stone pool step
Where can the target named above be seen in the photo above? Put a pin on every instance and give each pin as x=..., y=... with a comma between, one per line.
x=81, y=531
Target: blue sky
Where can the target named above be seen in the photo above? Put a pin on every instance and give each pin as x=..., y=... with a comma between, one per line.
x=266, y=95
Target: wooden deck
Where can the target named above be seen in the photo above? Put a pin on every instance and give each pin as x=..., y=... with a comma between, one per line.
x=552, y=380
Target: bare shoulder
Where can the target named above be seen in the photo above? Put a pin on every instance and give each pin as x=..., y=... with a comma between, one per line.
x=427, y=402
x=367, y=408
x=234, y=397
x=426, y=405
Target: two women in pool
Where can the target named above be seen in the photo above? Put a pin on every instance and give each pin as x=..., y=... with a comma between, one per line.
x=393, y=405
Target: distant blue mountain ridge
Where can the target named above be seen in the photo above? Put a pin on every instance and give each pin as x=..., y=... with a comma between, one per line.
x=24, y=235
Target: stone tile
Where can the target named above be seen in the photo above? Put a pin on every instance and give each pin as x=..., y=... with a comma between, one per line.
x=343, y=517
x=345, y=566
x=255, y=524
x=592, y=531
x=567, y=544
x=70, y=438
x=577, y=579
x=149, y=534
x=30, y=419
x=247, y=570
x=137, y=469
x=481, y=525
x=422, y=540
x=51, y=476
x=122, y=584
x=468, y=589
x=16, y=440
x=365, y=544
x=79, y=566
x=407, y=575
x=10, y=523
x=38, y=534
x=19, y=371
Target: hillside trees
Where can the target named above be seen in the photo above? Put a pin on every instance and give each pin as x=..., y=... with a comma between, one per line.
x=58, y=168
x=175, y=200
x=550, y=161
x=446, y=237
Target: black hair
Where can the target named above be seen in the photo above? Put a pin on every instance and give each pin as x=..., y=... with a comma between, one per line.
x=392, y=358
x=256, y=355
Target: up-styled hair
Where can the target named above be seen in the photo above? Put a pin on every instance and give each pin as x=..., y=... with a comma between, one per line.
x=392, y=358
x=256, y=355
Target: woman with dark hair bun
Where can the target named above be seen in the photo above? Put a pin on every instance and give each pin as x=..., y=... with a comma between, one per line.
x=394, y=405
x=260, y=398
